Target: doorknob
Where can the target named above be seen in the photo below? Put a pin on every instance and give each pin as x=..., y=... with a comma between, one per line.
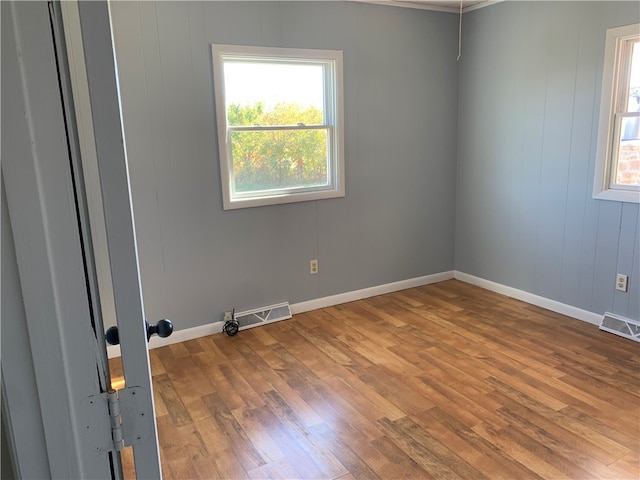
x=163, y=329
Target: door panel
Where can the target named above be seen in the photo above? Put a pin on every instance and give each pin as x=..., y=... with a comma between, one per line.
x=119, y=221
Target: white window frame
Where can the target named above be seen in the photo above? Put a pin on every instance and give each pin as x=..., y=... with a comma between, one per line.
x=333, y=94
x=613, y=84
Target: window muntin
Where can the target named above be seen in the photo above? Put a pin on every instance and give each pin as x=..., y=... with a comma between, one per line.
x=617, y=175
x=279, y=115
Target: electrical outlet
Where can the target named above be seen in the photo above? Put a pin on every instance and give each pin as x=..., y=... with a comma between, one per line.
x=228, y=315
x=622, y=282
x=313, y=267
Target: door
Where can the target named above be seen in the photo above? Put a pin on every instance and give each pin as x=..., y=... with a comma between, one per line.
x=54, y=259
x=119, y=225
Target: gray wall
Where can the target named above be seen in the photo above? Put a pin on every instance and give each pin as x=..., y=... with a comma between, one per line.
x=397, y=219
x=529, y=101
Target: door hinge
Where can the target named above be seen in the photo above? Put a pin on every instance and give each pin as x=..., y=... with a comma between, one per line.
x=116, y=419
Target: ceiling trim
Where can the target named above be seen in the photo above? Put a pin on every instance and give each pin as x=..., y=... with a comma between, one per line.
x=434, y=5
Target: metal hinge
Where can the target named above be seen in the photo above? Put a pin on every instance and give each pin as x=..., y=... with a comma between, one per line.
x=116, y=419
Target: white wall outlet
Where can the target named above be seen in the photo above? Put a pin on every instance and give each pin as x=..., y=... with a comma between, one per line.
x=622, y=282
x=228, y=315
x=313, y=267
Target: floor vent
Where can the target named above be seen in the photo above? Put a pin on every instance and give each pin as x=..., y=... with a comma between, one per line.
x=263, y=315
x=625, y=327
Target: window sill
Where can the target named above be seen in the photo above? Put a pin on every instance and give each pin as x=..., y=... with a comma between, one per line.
x=618, y=196
x=279, y=199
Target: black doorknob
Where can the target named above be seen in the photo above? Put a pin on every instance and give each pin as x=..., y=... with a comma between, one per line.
x=112, y=336
x=163, y=329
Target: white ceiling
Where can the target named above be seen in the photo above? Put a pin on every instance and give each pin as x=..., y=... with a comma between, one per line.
x=452, y=6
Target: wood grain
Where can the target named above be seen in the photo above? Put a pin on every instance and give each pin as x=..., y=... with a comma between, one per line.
x=443, y=381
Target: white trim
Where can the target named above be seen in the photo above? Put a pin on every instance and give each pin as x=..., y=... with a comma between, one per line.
x=530, y=298
x=433, y=5
x=210, y=329
x=605, y=150
x=332, y=62
x=618, y=195
x=369, y=292
x=330, y=301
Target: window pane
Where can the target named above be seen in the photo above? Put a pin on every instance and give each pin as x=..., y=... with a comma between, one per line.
x=262, y=93
x=634, y=80
x=279, y=159
x=628, y=165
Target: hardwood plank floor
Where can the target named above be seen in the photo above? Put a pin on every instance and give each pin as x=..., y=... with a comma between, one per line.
x=442, y=381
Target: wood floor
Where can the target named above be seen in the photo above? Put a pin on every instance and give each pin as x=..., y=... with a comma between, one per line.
x=441, y=381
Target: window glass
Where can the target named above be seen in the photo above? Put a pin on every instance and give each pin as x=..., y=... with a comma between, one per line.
x=273, y=93
x=277, y=159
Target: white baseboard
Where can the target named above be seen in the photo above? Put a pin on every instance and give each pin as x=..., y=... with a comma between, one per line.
x=554, y=306
x=527, y=297
x=369, y=292
x=210, y=329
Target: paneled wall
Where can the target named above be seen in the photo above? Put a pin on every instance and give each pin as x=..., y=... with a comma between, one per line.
x=397, y=219
x=529, y=101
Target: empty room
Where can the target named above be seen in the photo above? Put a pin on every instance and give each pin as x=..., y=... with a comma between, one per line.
x=321, y=239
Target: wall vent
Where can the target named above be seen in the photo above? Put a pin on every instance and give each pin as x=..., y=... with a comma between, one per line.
x=263, y=315
x=625, y=327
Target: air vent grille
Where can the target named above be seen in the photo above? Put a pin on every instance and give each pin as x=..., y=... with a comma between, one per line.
x=625, y=327
x=263, y=315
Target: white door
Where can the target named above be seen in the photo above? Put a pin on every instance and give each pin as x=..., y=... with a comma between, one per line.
x=120, y=231
x=54, y=259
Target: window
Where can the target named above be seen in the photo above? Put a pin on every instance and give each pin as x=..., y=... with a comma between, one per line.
x=280, y=128
x=617, y=174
